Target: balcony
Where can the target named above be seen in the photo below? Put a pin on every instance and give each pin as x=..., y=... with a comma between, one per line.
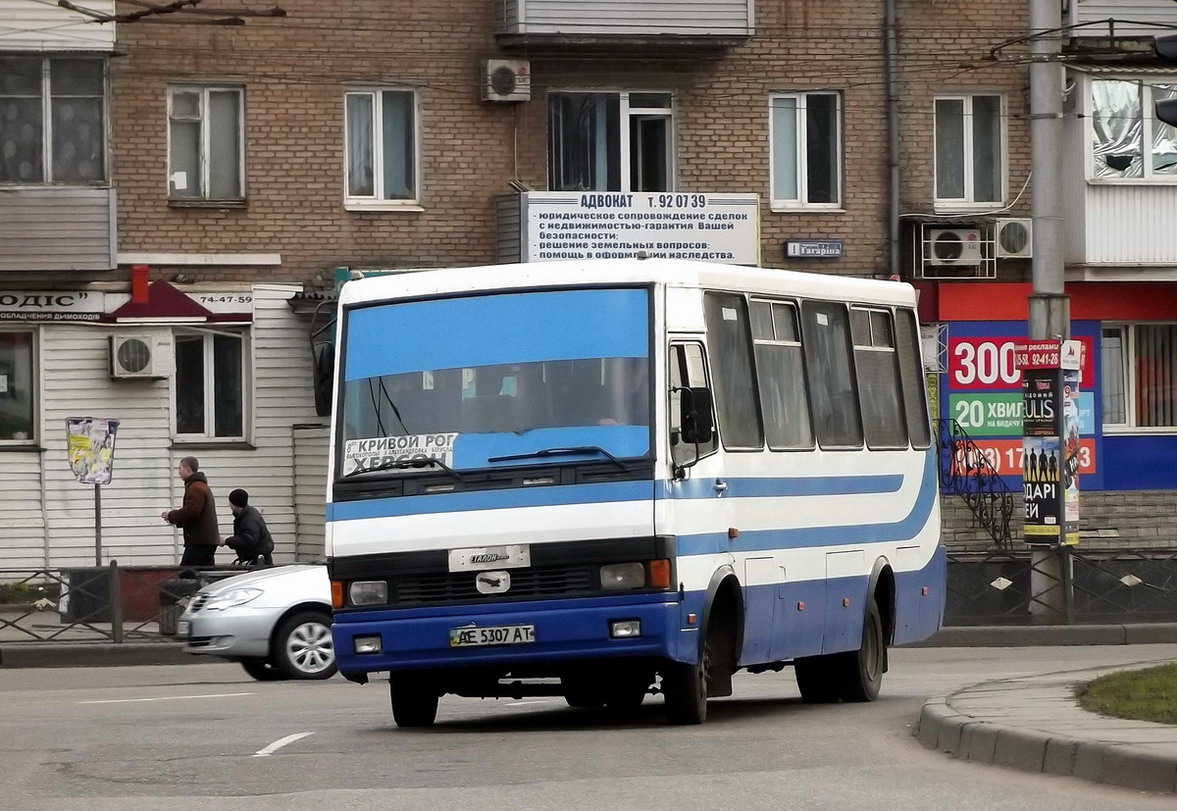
x=57, y=228
x=1131, y=19
x=626, y=24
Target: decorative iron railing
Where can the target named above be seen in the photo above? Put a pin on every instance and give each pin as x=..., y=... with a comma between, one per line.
x=967, y=471
x=1080, y=587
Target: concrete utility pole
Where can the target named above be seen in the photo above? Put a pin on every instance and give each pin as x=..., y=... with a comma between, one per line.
x=1050, y=311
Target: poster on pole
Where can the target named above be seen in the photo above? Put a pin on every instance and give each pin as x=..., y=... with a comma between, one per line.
x=90, y=443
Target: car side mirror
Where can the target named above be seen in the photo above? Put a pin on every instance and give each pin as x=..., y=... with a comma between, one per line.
x=324, y=376
x=697, y=416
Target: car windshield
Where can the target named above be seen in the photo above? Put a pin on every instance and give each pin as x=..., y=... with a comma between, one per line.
x=493, y=380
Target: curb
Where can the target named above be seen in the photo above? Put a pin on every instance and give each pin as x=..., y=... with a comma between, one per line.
x=942, y=728
x=94, y=654
x=1004, y=636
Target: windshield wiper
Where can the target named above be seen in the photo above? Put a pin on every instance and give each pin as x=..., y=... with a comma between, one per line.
x=573, y=451
x=405, y=464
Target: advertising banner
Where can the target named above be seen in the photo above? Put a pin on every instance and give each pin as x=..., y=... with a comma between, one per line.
x=610, y=225
x=1050, y=440
x=90, y=444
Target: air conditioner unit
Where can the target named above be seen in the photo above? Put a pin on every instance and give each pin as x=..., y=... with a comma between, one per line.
x=1013, y=238
x=953, y=247
x=506, y=80
x=141, y=356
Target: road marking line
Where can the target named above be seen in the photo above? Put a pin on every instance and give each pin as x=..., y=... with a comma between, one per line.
x=522, y=703
x=163, y=698
x=278, y=744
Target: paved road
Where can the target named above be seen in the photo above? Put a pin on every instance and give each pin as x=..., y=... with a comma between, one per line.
x=206, y=737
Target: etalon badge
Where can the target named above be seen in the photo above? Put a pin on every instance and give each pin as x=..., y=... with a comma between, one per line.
x=492, y=582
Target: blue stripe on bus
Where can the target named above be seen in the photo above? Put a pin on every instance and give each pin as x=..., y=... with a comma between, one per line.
x=602, y=492
x=496, y=329
x=767, y=539
x=791, y=486
x=546, y=496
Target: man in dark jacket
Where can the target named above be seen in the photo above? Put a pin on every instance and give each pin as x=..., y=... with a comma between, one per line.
x=197, y=517
x=251, y=537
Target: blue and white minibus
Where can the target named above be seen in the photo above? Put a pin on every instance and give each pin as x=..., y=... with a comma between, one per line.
x=610, y=478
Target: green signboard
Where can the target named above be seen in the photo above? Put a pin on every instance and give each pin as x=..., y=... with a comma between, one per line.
x=987, y=414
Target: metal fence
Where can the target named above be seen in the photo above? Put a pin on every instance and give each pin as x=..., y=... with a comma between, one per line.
x=97, y=603
x=1080, y=586
x=1003, y=587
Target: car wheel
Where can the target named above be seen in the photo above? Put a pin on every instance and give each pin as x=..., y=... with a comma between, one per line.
x=262, y=670
x=302, y=647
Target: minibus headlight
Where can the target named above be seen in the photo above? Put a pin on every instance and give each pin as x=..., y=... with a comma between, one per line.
x=623, y=576
x=368, y=592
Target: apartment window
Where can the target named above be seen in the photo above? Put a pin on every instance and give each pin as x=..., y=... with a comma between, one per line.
x=806, y=149
x=206, y=153
x=17, y=387
x=969, y=155
x=1127, y=141
x=381, y=146
x=610, y=142
x=210, y=384
x=52, y=120
x=1139, y=376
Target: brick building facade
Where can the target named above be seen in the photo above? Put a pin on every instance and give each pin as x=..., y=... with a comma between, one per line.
x=245, y=155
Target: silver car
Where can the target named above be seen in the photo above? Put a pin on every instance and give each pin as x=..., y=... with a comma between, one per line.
x=275, y=622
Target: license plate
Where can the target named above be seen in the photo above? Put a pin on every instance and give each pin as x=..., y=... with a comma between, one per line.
x=183, y=629
x=498, y=635
x=511, y=556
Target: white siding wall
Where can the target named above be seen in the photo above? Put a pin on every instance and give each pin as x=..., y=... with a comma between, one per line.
x=29, y=25
x=47, y=518
x=22, y=515
x=310, y=489
x=282, y=397
x=1131, y=224
x=76, y=382
x=1156, y=11
x=629, y=17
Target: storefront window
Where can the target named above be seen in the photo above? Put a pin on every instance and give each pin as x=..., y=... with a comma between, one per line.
x=17, y=387
x=210, y=385
x=1139, y=376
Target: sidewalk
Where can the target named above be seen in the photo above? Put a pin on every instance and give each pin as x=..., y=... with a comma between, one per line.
x=1034, y=723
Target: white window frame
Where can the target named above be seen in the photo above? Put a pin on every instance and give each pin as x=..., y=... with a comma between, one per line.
x=1129, y=426
x=624, y=114
x=1149, y=120
x=802, y=156
x=376, y=201
x=47, y=123
x=969, y=201
x=205, y=173
x=36, y=393
x=247, y=366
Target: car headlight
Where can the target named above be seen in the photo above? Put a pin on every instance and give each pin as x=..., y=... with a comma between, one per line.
x=623, y=576
x=368, y=592
x=231, y=598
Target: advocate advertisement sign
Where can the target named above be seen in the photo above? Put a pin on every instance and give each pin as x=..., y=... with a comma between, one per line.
x=612, y=225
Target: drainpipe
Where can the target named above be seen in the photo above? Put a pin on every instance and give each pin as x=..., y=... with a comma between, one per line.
x=891, y=71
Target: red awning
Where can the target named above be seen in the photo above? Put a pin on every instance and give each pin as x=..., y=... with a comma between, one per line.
x=166, y=303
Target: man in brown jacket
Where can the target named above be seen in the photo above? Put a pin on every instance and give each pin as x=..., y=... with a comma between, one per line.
x=197, y=516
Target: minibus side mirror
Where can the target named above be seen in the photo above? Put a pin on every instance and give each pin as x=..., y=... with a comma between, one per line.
x=697, y=416
x=324, y=376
